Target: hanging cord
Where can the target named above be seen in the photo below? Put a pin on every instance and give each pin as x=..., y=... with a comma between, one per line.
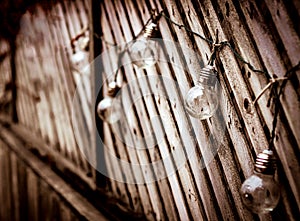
x=287, y=76
x=156, y=16
x=186, y=28
x=121, y=54
x=273, y=84
x=215, y=49
x=223, y=43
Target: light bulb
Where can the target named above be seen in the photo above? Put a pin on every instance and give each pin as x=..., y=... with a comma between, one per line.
x=79, y=60
x=202, y=100
x=260, y=192
x=144, y=50
x=109, y=109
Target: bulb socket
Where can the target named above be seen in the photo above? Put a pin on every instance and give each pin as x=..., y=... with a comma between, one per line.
x=208, y=76
x=265, y=163
x=113, y=89
x=149, y=30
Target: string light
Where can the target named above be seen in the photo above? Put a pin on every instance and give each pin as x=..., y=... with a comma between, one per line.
x=80, y=46
x=202, y=100
x=144, y=49
x=109, y=109
x=260, y=192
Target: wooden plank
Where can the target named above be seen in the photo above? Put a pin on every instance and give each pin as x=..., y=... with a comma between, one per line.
x=14, y=186
x=78, y=202
x=45, y=203
x=22, y=187
x=6, y=184
x=117, y=169
x=3, y=211
x=286, y=30
x=24, y=99
x=46, y=150
x=32, y=193
x=84, y=15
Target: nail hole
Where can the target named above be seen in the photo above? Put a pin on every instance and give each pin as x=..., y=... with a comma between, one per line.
x=247, y=105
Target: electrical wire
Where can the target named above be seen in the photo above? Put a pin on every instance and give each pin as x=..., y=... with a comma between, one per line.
x=216, y=46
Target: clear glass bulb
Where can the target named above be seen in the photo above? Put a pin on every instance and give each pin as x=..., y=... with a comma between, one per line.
x=260, y=193
x=80, y=62
x=144, y=50
x=110, y=109
x=202, y=100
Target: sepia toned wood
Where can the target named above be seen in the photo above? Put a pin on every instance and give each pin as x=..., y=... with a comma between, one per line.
x=32, y=193
x=43, y=56
x=32, y=173
x=245, y=134
x=213, y=157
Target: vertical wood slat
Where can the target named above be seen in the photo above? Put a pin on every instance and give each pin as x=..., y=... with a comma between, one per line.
x=32, y=193
x=5, y=208
x=5, y=77
x=134, y=197
x=14, y=186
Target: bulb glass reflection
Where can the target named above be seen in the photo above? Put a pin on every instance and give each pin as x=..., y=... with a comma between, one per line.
x=202, y=100
x=260, y=192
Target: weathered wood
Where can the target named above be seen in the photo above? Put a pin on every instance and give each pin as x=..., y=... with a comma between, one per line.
x=62, y=192
x=218, y=153
x=32, y=193
x=240, y=134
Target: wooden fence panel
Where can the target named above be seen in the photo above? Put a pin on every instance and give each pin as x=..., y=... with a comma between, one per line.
x=213, y=157
x=264, y=35
x=54, y=98
x=30, y=190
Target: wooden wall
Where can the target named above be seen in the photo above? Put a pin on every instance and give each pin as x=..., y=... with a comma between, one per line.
x=50, y=88
x=53, y=93
x=30, y=190
x=267, y=35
